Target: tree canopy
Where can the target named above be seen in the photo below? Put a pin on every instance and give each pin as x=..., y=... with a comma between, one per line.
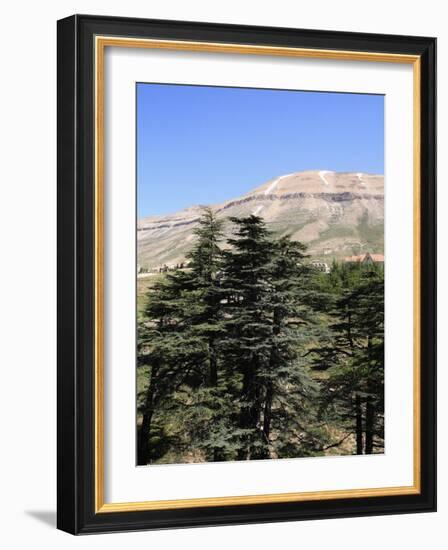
x=249, y=352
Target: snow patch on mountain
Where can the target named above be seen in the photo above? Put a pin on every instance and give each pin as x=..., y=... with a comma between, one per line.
x=269, y=190
x=258, y=210
x=322, y=174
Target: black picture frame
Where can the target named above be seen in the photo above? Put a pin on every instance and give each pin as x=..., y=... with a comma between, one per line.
x=76, y=286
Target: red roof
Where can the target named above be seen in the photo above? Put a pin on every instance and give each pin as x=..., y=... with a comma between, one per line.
x=377, y=257
x=362, y=257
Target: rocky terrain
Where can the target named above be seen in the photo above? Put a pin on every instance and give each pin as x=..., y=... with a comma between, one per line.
x=336, y=214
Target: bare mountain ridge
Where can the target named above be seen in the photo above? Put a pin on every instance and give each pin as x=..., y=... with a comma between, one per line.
x=335, y=214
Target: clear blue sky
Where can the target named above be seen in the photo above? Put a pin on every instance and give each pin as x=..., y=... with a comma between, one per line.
x=204, y=145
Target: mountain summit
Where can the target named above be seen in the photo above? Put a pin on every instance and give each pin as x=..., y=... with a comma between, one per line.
x=335, y=213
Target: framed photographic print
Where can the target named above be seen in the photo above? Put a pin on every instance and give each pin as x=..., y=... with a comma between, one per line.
x=246, y=274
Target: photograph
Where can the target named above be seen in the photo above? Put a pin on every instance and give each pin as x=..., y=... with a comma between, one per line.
x=260, y=274
x=246, y=273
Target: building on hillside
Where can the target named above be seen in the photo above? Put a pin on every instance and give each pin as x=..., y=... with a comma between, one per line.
x=366, y=258
x=321, y=266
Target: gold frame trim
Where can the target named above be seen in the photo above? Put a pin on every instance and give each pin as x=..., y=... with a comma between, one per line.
x=101, y=42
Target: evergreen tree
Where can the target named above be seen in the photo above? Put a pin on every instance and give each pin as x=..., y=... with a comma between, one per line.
x=184, y=322
x=207, y=323
x=369, y=359
x=247, y=344
x=167, y=354
x=353, y=355
x=206, y=260
x=250, y=353
x=288, y=384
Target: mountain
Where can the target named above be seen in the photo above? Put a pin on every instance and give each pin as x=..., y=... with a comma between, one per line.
x=336, y=214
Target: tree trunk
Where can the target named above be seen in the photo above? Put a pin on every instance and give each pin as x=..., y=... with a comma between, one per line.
x=359, y=438
x=244, y=416
x=217, y=454
x=213, y=375
x=369, y=407
x=250, y=412
x=145, y=428
x=273, y=364
x=267, y=416
x=370, y=412
x=268, y=411
x=349, y=329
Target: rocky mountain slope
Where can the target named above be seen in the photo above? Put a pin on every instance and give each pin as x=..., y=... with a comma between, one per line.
x=335, y=214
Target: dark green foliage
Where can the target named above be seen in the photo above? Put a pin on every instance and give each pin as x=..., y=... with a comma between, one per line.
x=247, y=343
x=250, y=353
x=353, y=357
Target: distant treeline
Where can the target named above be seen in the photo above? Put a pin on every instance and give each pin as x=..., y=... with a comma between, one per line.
x=251, y=353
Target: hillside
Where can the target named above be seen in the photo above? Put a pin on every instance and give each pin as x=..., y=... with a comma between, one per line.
x=335, y=214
